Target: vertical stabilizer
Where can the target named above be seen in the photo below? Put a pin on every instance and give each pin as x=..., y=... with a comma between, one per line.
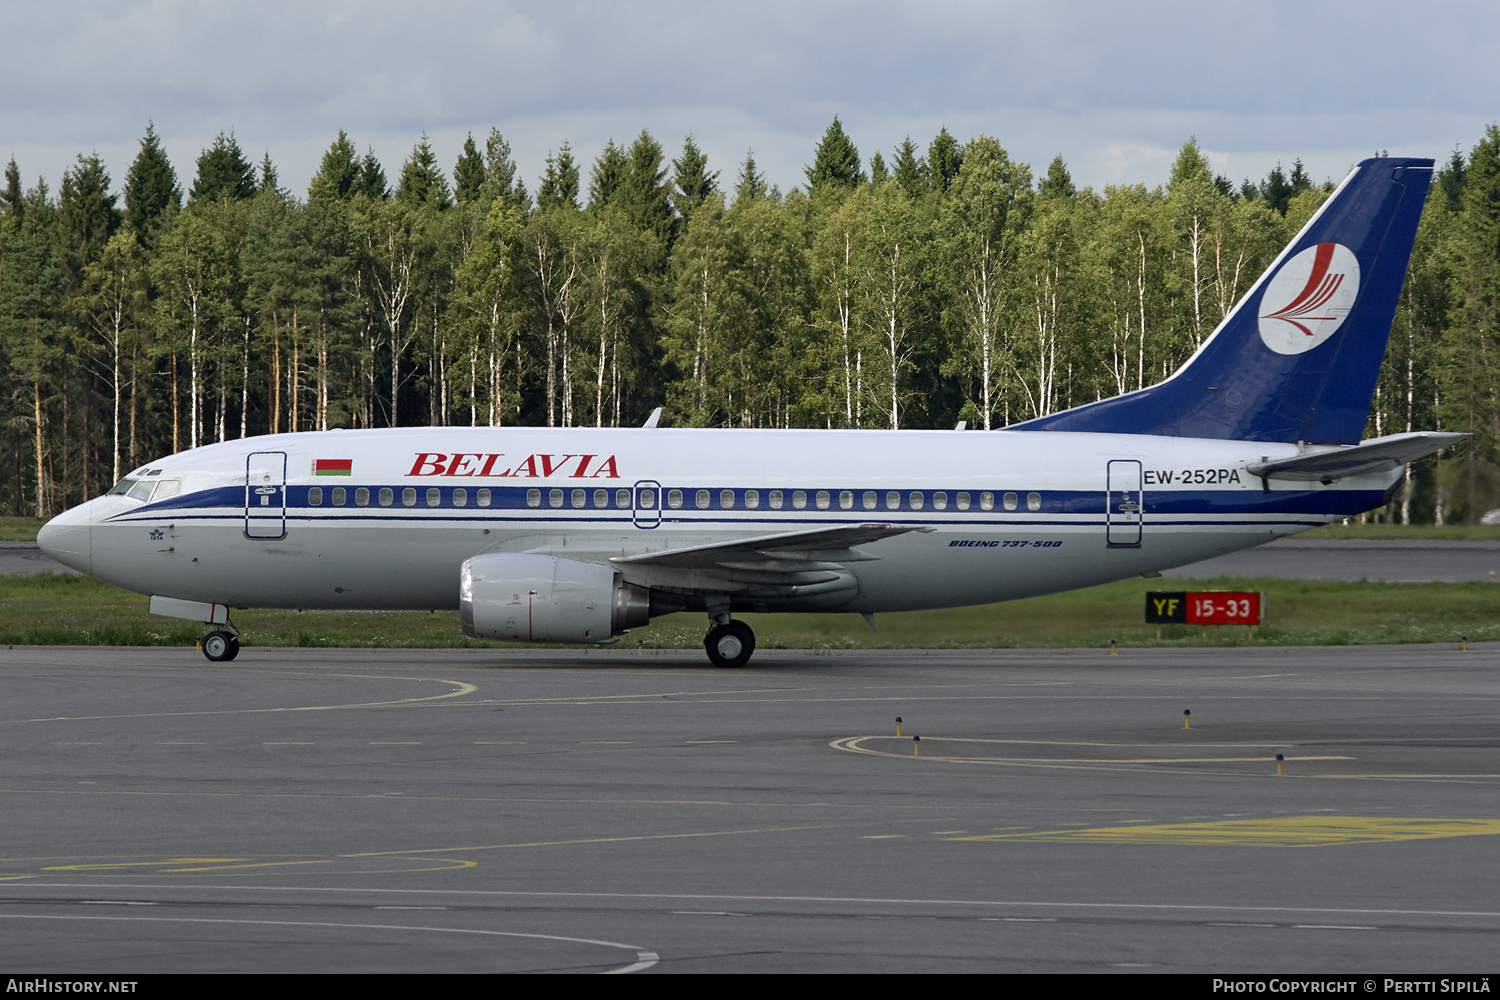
x=1297, y=357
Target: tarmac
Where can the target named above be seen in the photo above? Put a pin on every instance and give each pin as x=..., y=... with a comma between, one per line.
x=554, y=811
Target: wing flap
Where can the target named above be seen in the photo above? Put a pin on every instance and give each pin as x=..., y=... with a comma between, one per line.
x=785, y=552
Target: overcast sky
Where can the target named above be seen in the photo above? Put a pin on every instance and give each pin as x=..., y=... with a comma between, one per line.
x=1115, y=88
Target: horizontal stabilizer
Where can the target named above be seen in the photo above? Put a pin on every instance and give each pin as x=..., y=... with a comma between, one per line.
x=1375, y=455
x=768, y=548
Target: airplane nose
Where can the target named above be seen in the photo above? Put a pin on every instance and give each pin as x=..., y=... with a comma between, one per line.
x=68, y=538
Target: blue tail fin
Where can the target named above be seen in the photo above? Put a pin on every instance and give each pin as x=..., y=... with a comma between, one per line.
x=1297, y=357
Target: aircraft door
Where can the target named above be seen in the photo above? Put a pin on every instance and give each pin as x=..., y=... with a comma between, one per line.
x=1124, y=503
x=646, y=510
x=265, y=494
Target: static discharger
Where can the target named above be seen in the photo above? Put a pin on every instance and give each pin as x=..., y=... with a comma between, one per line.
x=916, y=746
x=1279, y=759
x=1187, y=718
x=898, y=725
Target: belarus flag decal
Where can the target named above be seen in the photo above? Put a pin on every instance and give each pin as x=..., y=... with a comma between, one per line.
x=333, y=467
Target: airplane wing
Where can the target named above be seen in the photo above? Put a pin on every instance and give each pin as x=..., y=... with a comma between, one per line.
x=1375, y=455
x=770, y=552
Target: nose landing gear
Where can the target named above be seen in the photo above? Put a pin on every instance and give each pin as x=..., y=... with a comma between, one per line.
x=730, y=644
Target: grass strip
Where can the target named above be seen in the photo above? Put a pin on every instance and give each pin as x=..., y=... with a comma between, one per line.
x=65, y=609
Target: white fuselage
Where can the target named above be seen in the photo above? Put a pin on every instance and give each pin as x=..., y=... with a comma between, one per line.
x=384, y=518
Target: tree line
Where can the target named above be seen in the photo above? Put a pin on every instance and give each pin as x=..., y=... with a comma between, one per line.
x=934, y=287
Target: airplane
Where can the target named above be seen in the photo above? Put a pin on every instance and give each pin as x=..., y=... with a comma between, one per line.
x=577, y=535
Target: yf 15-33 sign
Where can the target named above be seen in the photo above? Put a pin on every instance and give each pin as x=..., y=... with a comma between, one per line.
x=1204, y=607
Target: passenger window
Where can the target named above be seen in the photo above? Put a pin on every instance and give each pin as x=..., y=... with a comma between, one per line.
x=846, y=500
x=892, y=500
x=799, y=499
x=409, y=497
x=315, y=496
x=386, y=496
x=752, y=499
x=775, y=499
x=484, y=498
x=339, y=496
x=868, y=500
x=460, y=497
x=362, y=497
x=1010, y=501
x=601, y=498
x=622, y=498
x=648, y=499
x=554, y=498
x=701, y=499
x=986, y=501
x=915, y=500
x=1033, y=501
x=940, y=501
x=434, y=496
x=580, y=498
x=674, y=499
x=533, y=498
x=726, y=499
x=963, y=501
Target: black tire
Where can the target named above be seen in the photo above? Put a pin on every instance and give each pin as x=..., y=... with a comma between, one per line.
x=730, y=645
x=220, y=646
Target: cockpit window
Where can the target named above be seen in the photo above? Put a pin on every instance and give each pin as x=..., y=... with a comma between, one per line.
x=122, y=487
x=141, y=491
x=166, y=488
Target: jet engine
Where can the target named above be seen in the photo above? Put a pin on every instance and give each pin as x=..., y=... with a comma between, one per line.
x=535, y=598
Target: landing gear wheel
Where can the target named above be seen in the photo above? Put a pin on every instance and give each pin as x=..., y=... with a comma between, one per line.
x=730, y=644
x=221, y=646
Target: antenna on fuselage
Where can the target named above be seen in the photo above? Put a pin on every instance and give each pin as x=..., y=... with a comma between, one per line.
x=651, y=420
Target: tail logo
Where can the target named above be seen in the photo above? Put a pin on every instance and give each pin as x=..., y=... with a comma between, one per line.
x=1309, y=298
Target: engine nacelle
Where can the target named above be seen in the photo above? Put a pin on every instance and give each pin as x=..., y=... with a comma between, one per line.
x=533, y=598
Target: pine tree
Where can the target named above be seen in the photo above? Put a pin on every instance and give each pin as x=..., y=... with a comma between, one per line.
x=910, y=172
x=422, y=183
x=608, y=176
x=646, y=196
x=269, y=180
x=150, y=186
x=468, y=172
x=878, y=173
x=944, y=158
x=338, y=174
x=223, y=172
x=1191, y=166
x=1450, y=178
x=1058, y=183
x=751, y=186
x=691, y=178
x=836, y=162
x=500, y=180
x=560, y=183
x=372, y=183
x=86, y=216
x=12, y=198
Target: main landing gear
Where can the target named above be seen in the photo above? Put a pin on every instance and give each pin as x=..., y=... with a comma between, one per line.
x=219, y=645
x=730, y=644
